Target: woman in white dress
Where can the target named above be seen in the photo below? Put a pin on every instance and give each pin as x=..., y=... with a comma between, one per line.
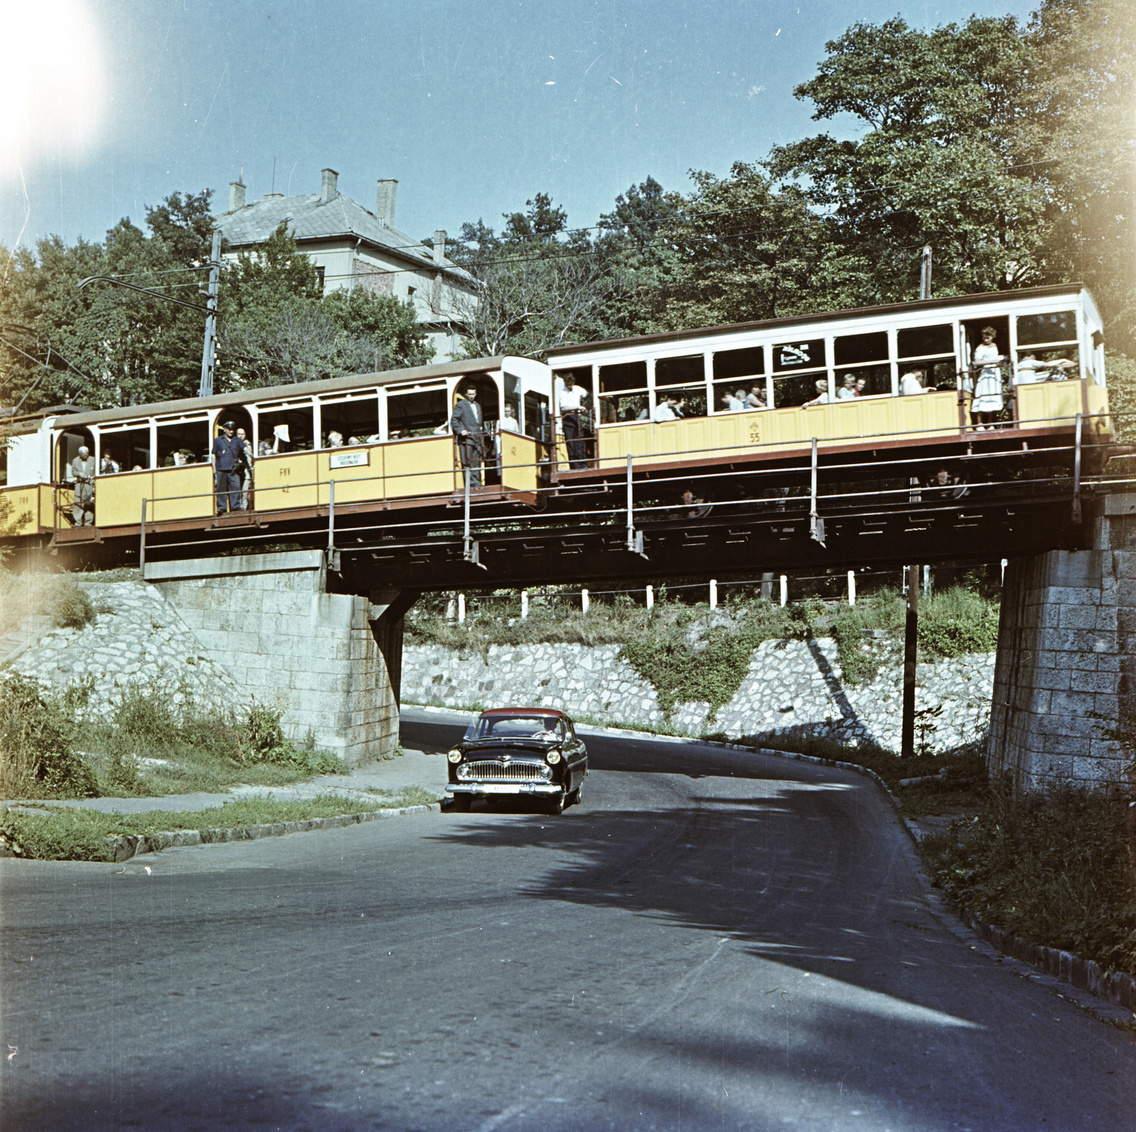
x=987, y=401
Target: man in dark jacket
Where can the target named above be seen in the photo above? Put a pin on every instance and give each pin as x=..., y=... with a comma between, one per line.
x=466, y=425
x=228, y=455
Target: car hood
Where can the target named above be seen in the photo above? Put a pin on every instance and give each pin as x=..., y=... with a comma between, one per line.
x=508, y=746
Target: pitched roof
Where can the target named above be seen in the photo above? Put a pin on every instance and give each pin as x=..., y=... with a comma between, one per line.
x=309, y=218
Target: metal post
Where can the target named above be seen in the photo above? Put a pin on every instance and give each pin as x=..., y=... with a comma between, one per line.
x=650, y=597
x=207, y=350
x=461, y=609
x=784, y=591
x=925, y=275
x=713, y=594
x=524, y=604
x=851, y=587
x=816, y=523
x=469, y=545
x=1077, y=473
x=584, y=601
x=331, y=516
x=142, y=543
x=926, y=581
x=910, y=646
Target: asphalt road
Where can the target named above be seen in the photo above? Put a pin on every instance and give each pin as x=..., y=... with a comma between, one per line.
x=710, y=940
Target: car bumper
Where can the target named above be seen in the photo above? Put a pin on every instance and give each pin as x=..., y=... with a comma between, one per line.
x=504, y=788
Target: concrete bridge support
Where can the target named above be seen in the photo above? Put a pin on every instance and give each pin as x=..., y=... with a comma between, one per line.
x=331, y=663
x=1066, y=666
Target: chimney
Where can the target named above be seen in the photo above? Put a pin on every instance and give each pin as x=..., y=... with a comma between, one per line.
x=384, y=202
x=439, y=244
x=236, y=195
x=328, y=191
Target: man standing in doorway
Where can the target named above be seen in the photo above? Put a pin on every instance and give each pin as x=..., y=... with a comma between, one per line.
x=227, y=456
x=83, y=476
x=467, y=428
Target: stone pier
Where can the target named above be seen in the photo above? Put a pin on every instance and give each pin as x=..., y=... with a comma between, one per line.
x=1066, y=666
x=329, y=662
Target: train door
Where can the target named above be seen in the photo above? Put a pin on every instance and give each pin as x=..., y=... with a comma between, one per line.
x=993, y=400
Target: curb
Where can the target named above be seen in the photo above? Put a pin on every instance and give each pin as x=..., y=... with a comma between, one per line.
x=128, y=845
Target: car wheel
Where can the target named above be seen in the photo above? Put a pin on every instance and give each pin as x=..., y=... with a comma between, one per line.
x=574, y=797
x=556, y=804
x=460, y=803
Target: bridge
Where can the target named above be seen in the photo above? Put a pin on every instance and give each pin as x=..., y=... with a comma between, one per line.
x=322, y=591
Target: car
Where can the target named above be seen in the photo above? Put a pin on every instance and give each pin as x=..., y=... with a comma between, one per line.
x=518, y=751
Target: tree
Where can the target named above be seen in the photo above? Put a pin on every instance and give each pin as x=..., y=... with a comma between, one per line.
x=746, y=252
x=541, y=285
x=380, y=324
x=939, y=165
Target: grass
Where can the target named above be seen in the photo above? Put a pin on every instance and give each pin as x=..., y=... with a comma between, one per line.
x=64, y=833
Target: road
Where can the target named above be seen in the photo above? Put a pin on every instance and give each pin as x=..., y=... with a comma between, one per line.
x=711, y=940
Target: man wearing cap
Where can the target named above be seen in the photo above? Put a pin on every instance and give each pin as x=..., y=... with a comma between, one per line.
x=228, y=454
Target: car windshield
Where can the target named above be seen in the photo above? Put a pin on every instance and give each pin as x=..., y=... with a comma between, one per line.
x=542, y=727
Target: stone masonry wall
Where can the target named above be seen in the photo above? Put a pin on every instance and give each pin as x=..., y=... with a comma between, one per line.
x=790, y=687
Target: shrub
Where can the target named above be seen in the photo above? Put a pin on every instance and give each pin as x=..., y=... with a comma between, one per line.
x=71, y=608
x=36, y=753
x=263, y=740
x=956, y=622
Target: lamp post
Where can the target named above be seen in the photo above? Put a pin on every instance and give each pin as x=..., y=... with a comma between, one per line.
x=205, y=389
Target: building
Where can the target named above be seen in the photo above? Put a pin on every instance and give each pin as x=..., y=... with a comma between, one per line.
x=354, y=247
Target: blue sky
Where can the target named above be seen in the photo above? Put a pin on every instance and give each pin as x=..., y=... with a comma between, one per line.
x=474, y=106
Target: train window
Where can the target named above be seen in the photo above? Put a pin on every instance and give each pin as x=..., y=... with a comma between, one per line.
x=128, y=447
x=417, y=412
x=182, y=442
x=1034, y=329
x=625, y=375
x=941, y=373
x=850, y=349
x=536, y=416
x=67, y=448
x=797, y=388
x=731, y=364
x=918, y=341
x=355, y=418
x=673, y=372
x=580, y=375
x=876, y=380
x=615, y=409
x=799, y=355
x=286, y=429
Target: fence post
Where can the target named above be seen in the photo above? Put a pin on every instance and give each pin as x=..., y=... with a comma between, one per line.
x=650, y=597
x=584, y=601
x=851, y=587
x=784, y=591
x=713, y=593
x=461, y=609
x=524, y=604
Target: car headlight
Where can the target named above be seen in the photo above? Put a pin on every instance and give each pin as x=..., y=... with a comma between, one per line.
x=553, y=757
x=455, y=756
x=465, y=771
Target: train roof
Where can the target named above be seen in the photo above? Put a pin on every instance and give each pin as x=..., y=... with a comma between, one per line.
x=560, y=352
x=299, y=390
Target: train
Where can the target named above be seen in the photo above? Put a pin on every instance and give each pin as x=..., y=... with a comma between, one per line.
x=759, y=395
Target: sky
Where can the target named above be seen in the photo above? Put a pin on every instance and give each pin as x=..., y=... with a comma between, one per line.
x=473, y=106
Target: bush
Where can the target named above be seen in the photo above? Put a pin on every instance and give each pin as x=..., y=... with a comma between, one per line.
x=36, y=754
x=71, y=608
x=956, y=622
x=263, y=740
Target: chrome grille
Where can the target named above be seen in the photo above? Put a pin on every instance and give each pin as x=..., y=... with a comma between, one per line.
x=506, y=772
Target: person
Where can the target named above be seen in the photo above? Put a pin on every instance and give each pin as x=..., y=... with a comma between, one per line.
x=83, y=477
x=244, y=469
x=334, y=439
x=987, y=401
x=911, y=383
x=945, y=484
x=227, y=454
x=822, y=397
x=466, y=425
x=861, y=386
x=755, y=399
x=668, y=409
x=731, y=403
x=509, y=422
x=569, y=405
x=847, y=388
x=107, y=467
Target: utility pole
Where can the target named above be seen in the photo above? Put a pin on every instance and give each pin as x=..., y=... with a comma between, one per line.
x=911, y=623
x=208, y=347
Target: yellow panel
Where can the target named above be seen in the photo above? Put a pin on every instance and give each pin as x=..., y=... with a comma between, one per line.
x=46, y=506
x=355, y=484
x=182, y=493
x=1049, y=401
x=929, y=415
x=118, y=498
x=19, y=511
x=1101, y=421
x=286, y=481
x=519, y=459
x=421, y=467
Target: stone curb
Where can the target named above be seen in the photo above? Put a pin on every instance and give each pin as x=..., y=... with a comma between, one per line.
x=128, y=845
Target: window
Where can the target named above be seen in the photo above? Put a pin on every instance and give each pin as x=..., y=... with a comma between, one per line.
x=417, y=411
x=128, y=447
x=799, y=355
x=286, y=427
x=853, y=349
x=182, y=441
x=797, y=389
x=354, y=418
x=1038, y=329
x=673, y=372
x=319, y=277
x=623, y=392
x=931, y=349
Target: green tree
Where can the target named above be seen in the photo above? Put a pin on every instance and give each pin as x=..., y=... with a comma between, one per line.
x=385, y=327
x=541, y=284
x=939, y=164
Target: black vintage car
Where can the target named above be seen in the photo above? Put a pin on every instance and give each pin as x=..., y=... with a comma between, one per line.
x=518, y=751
